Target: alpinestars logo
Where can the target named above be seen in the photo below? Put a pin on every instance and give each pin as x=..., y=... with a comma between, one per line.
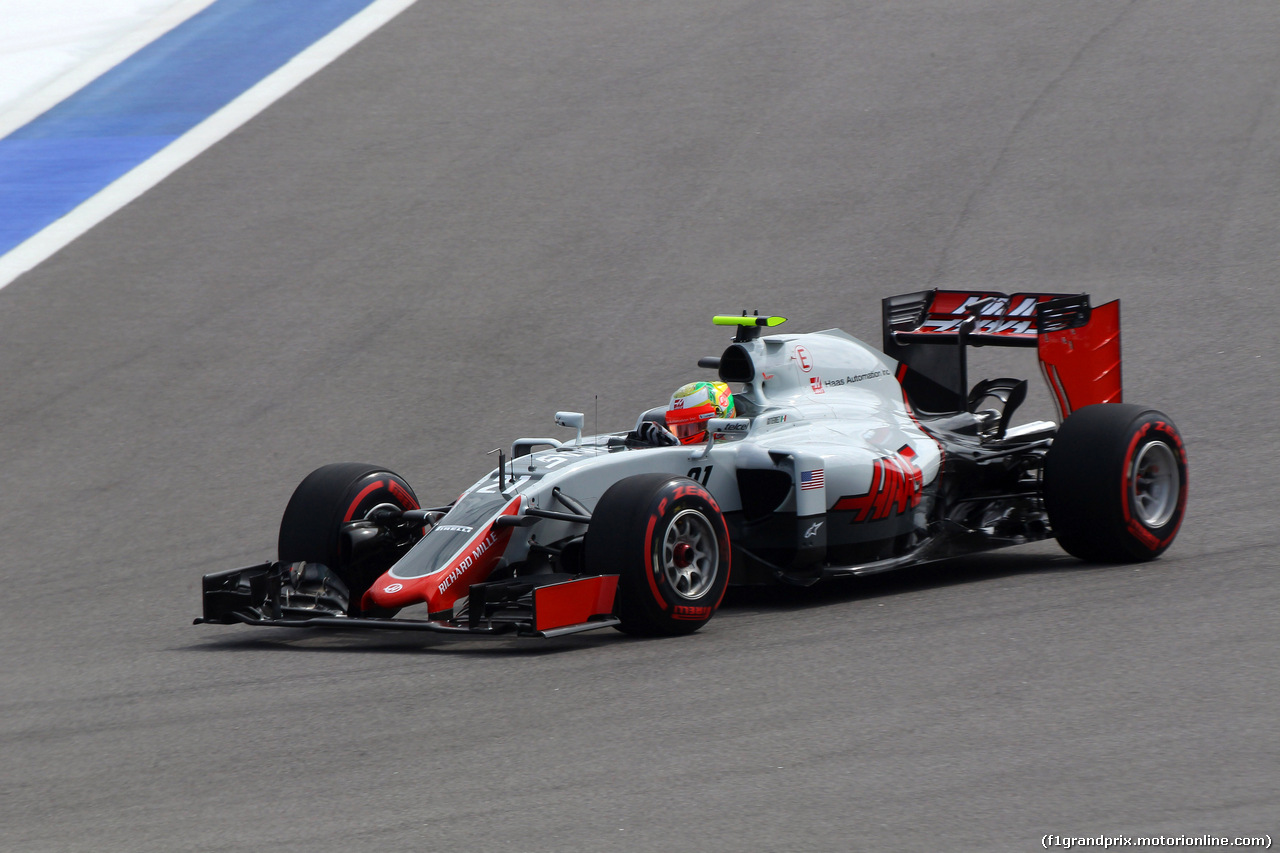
x=896, y=482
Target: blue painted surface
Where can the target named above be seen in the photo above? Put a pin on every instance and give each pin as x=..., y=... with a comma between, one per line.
x=65, y=156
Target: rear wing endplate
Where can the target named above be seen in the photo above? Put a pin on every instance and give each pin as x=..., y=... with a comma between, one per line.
x=928, y=331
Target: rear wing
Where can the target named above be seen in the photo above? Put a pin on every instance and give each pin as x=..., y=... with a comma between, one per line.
x=928, y=332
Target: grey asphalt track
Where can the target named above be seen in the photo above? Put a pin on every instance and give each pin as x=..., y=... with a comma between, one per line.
x=492, y=210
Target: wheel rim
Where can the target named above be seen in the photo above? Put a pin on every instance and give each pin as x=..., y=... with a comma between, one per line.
x=690, y=556
x=1154, y=484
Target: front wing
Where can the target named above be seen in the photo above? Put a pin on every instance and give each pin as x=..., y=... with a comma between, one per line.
x=306, y=595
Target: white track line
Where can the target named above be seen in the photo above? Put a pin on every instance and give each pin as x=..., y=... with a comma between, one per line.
x=39, y=247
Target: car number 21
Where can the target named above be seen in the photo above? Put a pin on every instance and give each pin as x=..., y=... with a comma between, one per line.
x=700, y=475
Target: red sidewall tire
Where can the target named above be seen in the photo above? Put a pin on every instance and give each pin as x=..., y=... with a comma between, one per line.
x=666, y=539
x=328, y=497
x=1115, y=483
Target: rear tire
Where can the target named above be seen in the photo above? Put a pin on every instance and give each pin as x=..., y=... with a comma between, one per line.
x=324, y=501
x=665, y=538
x=1115, y=483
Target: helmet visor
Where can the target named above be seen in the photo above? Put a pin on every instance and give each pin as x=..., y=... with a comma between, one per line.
x=690, y=432
x=690, y=425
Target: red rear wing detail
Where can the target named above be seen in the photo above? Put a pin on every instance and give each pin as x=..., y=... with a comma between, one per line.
x=999, y=317
x=929, y=331
x=1082, y=364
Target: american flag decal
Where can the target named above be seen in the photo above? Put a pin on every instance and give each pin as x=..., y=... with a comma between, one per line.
x=811, y=479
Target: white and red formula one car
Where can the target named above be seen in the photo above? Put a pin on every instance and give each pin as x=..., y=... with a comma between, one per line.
x=840, y=460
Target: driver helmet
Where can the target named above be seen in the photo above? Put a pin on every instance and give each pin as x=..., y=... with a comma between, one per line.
x=693, y=405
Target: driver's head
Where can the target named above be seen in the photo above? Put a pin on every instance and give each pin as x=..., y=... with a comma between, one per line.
x=693, y=405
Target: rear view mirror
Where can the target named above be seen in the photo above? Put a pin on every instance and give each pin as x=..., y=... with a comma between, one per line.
x=573, y=420
x=724, y=429
x=728, y=429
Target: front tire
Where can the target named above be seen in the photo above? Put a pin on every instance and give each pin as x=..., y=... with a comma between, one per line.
x=329, y=498
x=665, y=538
x=1115, y=483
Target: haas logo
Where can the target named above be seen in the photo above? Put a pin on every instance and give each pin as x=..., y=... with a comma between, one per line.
x=896, y=482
